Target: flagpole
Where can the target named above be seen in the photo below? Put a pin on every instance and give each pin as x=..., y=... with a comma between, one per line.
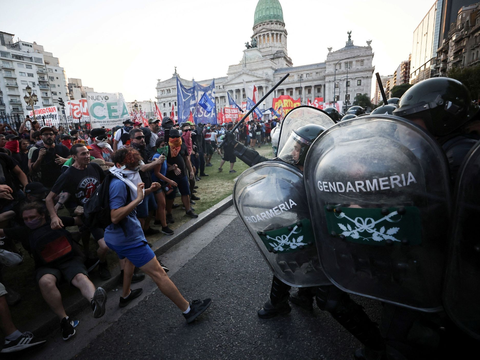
x=258, y=103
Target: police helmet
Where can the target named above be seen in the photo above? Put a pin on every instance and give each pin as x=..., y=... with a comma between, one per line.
x=442, y=103
x=333, y=113
x=356, y=110
x=297, y=145
x=384, y=109
x=348, y=117
x=393, y=101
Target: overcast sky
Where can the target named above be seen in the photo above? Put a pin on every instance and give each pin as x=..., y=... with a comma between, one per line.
x=125, y=46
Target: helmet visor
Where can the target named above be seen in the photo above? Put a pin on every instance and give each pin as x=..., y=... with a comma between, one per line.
x=294, y=150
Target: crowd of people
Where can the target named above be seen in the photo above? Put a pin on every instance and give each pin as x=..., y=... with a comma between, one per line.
x=49, y=174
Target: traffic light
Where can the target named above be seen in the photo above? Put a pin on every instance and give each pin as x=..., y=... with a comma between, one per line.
x=60, y=102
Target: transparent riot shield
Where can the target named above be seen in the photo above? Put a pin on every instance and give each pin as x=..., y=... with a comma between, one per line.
x=462, y=284
x=301, y=116
x=270, y=199
x=378, y=192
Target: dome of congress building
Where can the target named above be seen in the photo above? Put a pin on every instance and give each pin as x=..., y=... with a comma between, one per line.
x=268, y=10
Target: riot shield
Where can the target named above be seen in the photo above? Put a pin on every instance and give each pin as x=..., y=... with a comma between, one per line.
x=462, y=290
x=378, y=192
x=270, y=199
x=301, y=116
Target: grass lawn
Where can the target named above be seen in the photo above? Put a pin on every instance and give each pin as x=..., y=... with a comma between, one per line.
x=211, y=190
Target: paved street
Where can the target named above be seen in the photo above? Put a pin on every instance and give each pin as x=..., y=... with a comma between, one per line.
x=220, y=261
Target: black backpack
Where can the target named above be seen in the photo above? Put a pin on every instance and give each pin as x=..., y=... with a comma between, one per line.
x=97, y=208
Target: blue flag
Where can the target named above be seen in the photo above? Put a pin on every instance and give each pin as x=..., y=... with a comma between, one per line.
x=206, y=103
x=201, y=115
x=275, y=112
x=250, y=105
x=232, y=102
x=185, y=101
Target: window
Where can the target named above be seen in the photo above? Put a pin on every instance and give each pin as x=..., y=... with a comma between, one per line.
x=53, y=85
x=38, y=60
x=54, y=93
x=32, y=84
x=49, y=70
x=168, y=91
x=24, y=82
x=169, y=104
x=309, y=91
x=359, y=82
x=348, y=83
x=347, y=97
x=51, y=78
x=362, y=62
x=23, y=74
x=28, y=66
x=163, y=104
x=30, y=74
x=336, y=85
x=20, y=65
x=5, y=54
x=290, y=93
x=319, y=90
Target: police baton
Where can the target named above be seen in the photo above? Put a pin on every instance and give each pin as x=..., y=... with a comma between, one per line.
x=380, y=86
x=256, y=105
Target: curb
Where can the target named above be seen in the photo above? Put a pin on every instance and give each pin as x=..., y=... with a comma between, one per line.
x=45, y=324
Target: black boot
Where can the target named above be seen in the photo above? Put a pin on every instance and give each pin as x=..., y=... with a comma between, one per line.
x=303, y=298
x=278, y=303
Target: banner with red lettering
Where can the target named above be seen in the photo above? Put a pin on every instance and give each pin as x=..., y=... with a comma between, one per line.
x=286, y=102
x=47, y=116
x=78, y=110
x=231, y=113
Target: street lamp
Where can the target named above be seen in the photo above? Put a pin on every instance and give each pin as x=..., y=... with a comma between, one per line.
x=31, y=99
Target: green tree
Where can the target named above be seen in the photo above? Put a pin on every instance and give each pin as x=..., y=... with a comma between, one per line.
x=470, y=77
x=362, y=100
x=399, y=90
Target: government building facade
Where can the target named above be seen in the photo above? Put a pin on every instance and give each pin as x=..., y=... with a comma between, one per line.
x=346, y=72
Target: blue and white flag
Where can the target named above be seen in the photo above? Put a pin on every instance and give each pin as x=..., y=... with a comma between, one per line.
x=185, y=101
x=200, y=114
x=275, y=112
x=232, y=102
x=206, y=103
x=250, y=105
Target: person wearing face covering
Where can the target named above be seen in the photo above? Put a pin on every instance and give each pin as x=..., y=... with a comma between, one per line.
x=100, y=148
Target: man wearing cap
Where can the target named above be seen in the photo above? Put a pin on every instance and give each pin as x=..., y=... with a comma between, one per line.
x=121, y=137
x=154, y=127
x=45, y=158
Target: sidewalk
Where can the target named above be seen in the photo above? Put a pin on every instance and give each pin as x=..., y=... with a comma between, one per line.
x=45, y=323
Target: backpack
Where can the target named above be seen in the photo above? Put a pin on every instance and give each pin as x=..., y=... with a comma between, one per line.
x=97, y=207
x=51, y=246
x=124, y=137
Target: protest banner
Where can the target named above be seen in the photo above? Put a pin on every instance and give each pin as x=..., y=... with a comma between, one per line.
x=231, y=114
x=106, y=109
x=286, y=102
x=47, y=116
x=77, y=110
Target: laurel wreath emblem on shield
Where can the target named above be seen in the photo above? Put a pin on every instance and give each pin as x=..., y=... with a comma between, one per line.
x=287, y=242
x=368, y=225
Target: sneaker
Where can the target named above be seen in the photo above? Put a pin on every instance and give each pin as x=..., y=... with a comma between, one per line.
x=195, y=187
x=197, y=178
x=197, y=307
x=220, y=169
x=133, y=295
x=269, y=311
x=209, y=164
x=151, y=231
x=191, y=214
x=204, y=174
x=170, y=219
x=98, y=302
x=23, y=342
x=157, y=222
x=192, y=202
x=194, y=197
x=91, y=264
x=174, y=206
x=232, y=171
x=167, y=231
x=103, y=271
x=164, y=267
x=194, y=191
x=9, y=258
x=68, y=327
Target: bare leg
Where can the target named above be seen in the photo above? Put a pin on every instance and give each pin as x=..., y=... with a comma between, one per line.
x=102, y=250
x=51, y=294
x=160, y=215
x=221, y=164
x=6, y=323
x=166, y=286
x=186, y=202
x=85, y=286
x=231, y=166
x=127, y=277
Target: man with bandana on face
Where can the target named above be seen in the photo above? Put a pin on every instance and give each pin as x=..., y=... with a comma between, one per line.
x=45, y=158
x=100, y=148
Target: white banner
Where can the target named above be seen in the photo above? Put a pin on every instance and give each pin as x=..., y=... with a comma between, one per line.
x=106, y=109
x=47, y=116
x=77, y=110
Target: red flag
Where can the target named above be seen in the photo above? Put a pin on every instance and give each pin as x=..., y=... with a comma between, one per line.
x=158, y=113
x=190, y=118
x=144, y=118
x=255, y=93
x=172, y=115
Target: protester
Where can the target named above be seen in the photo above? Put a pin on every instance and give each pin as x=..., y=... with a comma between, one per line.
x=121, y=137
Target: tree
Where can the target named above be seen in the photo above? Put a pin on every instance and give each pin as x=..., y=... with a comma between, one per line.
x=470, y=77
x=362, y=100
x=399, y=90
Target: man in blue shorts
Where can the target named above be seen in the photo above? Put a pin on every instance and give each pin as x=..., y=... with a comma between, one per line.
x=125, y=235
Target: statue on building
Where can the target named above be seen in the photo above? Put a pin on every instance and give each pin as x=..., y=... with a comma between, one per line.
x=349, y=42
x=247, y=45
x=254, y=43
